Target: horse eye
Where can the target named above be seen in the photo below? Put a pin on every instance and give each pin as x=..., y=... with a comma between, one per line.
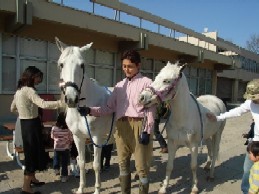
x=166, y=81
x=61, y=65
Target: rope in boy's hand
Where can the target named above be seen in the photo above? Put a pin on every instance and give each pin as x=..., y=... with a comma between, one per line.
x=84, y=111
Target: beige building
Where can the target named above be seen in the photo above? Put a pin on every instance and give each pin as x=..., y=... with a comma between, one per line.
x=231, y=83
x=28, y=29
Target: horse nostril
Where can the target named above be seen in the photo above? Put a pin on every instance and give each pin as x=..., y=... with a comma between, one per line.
x=143, y=98
x=76, y=100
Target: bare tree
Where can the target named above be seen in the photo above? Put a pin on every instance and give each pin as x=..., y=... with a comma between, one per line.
x=253, y=43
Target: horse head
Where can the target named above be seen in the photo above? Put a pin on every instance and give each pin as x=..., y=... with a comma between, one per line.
x=164, y=87
x=72, y=68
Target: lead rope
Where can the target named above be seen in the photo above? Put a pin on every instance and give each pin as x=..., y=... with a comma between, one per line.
x=90, y=135
x=109, y=136
x=201, y=145
x=167, y=119
x=82, y=84
x=144, y=121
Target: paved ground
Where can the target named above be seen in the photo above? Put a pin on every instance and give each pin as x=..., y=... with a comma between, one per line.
x=228, y=171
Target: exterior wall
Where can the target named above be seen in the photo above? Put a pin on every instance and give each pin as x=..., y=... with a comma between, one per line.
x=202, y=44
x=5, y=114
x=224, y=89
x=235, y=77
x=23, y=44
x=20, y=52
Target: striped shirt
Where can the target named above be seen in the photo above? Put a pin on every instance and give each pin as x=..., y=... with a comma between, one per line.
x=62, y=138
x=124, y=101
x=254, y=179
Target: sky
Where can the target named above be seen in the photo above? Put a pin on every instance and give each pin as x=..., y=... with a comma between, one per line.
x=234, y=20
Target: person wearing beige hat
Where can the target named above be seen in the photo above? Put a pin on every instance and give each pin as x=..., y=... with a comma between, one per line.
x=251, y=105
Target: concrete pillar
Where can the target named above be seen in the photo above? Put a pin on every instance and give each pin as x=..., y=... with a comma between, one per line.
x=214, y=83
x=234, y=90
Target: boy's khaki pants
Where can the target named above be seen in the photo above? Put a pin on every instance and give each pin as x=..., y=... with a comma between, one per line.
x=127, y=143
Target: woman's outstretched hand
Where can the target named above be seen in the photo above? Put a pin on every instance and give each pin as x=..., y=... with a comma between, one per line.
x=211, y=116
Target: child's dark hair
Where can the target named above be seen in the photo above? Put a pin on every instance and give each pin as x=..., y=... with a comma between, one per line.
x=131, y=55
x=61, y=121
x=253, y=148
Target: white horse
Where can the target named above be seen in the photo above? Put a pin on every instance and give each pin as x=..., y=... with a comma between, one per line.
x=77, y=85
x=187, y=124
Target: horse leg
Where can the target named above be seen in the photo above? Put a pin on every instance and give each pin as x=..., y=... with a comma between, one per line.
x=97, y=164
x=194, y=154
x=209, y=155
x=215, y=149
x=172, y=147
x=80, y=145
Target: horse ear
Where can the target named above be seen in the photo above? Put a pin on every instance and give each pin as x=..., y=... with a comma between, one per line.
x=61, y=45
x=86, y=47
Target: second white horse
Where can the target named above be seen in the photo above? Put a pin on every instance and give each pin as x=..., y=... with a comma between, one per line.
x=187, y=124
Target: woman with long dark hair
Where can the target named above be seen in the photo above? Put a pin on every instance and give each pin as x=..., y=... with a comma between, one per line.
x=26, y=102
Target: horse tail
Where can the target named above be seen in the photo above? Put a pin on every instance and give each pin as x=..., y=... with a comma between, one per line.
x=217, y=136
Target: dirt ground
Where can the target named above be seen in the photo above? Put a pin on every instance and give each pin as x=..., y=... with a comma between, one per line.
x=228, y=170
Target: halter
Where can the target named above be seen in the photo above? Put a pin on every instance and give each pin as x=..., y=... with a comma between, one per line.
x=63, y=84
x=162, y=94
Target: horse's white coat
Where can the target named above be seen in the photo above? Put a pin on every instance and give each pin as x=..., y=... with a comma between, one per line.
x=70, y=62
x=184, y=126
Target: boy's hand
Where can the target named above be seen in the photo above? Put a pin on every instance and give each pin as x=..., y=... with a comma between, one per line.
x=144, y=138
x=84, y=111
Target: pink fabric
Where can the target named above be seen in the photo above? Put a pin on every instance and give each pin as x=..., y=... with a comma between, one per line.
x=62, y=138
x=124, y=101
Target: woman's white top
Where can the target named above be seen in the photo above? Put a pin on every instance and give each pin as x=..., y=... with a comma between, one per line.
x=247, y=106
x=26, y=102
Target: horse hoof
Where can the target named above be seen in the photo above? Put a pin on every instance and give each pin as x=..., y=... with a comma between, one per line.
x=162, y=191
x=78, y=192
x=210, y=179
x=194, y=190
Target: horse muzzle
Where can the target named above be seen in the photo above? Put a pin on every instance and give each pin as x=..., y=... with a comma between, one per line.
x=71, y=103
x=145, y=101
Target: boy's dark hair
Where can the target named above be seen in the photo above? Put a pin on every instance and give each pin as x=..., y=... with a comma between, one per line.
x=61, y=121
x=253, y=147
x=27, y=78
x=131, y=55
